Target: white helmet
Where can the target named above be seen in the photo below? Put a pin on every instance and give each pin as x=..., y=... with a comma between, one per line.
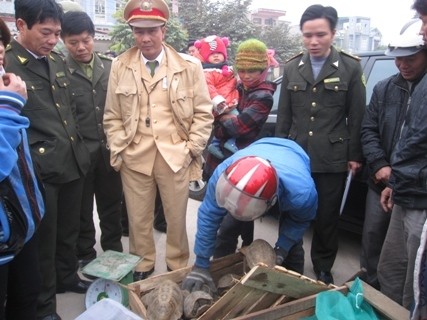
x=409, y=41
x=247, y=188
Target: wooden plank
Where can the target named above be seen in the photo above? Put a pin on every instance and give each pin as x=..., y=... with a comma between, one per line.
x=290, y=311
x=270, y=300
x=224, y=262
x=384, y=305
x=136, y=305
x=152, y=282
x=222, y=307
x=249, y=303
x=282, y=282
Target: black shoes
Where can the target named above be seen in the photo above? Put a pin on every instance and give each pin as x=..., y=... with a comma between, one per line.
x=138, y=275
x=84, y=262
x=325, y=277
x=160, y=227
x=80, y=286
x=53, y=316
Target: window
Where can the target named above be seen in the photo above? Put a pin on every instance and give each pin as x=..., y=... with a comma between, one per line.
x=257, y=20
x=382, y=69
x=100, y=8
x=270, y=22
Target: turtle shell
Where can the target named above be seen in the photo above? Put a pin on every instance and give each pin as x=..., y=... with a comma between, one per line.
x=164, y=302
x=196, y=303
x=259, y=252
x=226, y=282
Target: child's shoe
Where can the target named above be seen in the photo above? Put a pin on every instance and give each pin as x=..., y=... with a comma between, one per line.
x=230, y=146
x=215, y=151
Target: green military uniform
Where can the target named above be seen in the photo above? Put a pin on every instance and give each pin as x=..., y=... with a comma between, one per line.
x=89, y=88
x=324, y=116
x=61, y=158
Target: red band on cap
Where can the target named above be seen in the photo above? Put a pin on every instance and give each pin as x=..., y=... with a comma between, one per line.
x=155, y=14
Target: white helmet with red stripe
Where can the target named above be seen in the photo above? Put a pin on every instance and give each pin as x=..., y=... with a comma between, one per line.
x=247, y=188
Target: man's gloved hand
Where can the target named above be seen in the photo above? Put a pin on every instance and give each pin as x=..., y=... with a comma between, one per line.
x=199, y=279
x=281, y=255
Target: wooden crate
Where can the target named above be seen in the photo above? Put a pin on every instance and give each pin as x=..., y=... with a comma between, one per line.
x=263, y=293
x=219, y=267
x=270, y=294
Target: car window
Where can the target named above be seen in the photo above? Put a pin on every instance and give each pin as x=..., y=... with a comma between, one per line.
x=381, y=69
x=276, y=95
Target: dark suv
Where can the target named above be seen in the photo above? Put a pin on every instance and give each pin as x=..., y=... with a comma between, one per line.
x=376, y=66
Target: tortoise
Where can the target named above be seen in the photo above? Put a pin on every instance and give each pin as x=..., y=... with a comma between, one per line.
x=226, y=282
x=165, y=302
x=196, y=303
x=259, y=252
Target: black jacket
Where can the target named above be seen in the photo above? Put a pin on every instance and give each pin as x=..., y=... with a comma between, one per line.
x=409, y=158
x=382, y=122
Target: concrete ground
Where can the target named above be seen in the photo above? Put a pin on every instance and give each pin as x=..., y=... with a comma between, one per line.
x=71, y=305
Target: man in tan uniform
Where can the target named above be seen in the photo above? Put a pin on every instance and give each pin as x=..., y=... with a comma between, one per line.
x=157, y=121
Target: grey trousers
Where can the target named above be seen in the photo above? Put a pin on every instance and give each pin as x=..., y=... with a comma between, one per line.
x=397, y=260
x=374, y=231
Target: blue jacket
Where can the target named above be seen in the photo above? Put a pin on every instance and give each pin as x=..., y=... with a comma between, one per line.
x=21, y=202
x=297, y=196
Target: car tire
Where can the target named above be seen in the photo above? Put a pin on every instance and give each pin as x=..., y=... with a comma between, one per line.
x=197, y=189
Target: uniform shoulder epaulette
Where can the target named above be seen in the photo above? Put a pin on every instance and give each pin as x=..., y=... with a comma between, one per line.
x=103, y=56
x=57, y=54
x=295, y=56
x=350, y=55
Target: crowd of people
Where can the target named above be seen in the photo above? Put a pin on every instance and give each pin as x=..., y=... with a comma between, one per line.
x=129, y=133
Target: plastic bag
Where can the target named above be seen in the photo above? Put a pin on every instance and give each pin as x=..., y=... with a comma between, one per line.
x=332, y=305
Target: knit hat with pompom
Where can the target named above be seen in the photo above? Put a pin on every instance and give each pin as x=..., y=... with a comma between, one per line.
x=251, y=55
x=212, y=44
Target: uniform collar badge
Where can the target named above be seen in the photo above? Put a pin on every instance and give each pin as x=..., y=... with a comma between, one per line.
x=22, y=60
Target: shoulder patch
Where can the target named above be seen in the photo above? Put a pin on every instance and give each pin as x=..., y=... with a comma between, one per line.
x=55, y=55
x=350, y=55
x=295, y=56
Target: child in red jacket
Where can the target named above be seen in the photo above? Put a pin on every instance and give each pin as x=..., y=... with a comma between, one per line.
x=221, y=83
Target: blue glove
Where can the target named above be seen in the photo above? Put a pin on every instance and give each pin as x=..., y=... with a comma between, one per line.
x=199, y=279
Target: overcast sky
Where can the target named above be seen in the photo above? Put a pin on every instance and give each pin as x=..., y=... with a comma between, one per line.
x=387, y=15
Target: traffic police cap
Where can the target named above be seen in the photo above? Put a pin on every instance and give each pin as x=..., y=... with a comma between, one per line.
x=146, y=13
x=409, y=42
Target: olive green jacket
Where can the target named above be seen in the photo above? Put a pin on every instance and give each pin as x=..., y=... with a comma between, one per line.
x=89, y=96
x=324, y=115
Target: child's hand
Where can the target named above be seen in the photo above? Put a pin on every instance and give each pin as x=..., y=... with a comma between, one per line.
x=14, y=83
x=221, y=108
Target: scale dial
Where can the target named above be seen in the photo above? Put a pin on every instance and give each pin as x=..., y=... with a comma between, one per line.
x=102, y=288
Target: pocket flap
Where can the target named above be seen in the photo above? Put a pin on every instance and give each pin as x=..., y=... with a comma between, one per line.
x=126, y=90
x=338, y=137
x=297, y=86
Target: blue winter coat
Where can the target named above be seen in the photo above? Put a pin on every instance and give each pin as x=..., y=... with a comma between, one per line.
x=297, y=196
x=21, y=202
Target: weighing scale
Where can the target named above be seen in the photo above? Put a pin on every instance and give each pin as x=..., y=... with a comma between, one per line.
x=114, y=271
